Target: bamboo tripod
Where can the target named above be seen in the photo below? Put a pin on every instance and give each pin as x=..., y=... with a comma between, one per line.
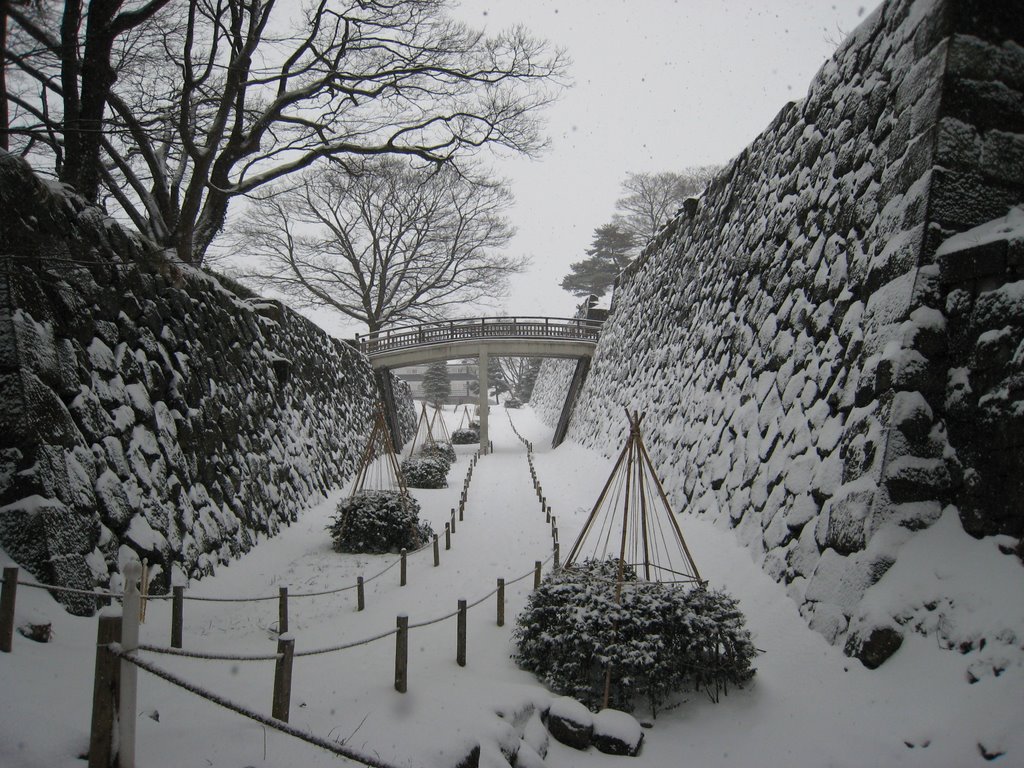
x=425, y=427
x=649, y=538
x=438, y=427
x=379, y=446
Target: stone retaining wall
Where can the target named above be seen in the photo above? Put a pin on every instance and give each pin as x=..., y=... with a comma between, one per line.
x=148, y=409
x=814, y=376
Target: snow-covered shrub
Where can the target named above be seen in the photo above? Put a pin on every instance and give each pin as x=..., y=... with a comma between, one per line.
x=426, y=471
x=378, y=521
x=658, y=639
x=513, y=402
x=442, y=451
x=465, y=436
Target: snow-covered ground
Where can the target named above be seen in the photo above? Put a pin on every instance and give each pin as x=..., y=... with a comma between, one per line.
x=808, y=706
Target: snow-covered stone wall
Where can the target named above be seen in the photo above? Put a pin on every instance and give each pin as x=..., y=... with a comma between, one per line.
x=813, y=375
x=549, y=392
x=148, y=409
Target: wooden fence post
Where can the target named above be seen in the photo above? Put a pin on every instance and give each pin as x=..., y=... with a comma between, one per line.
x=402, y=569
x=402, y=654
x=501, y=602
x=104, y=689
x=282, y=611
x=360, y=601
x=437, y=553
x=7, y=599
x=557, y=566
x=547, y=514
x=447, y=536
x=453, y=519
x=177, y=616
x=460, y=640
x=129, y=672
x=462, y=507
x=536, y=574
x=283, y=678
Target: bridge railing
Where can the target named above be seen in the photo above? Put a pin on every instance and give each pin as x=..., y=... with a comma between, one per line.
x=424, y=334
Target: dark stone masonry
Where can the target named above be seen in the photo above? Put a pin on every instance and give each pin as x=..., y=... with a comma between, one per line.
x=825, y=367
x=149, y=408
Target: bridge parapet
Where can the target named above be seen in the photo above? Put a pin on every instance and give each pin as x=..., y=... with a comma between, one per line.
x=480, y=328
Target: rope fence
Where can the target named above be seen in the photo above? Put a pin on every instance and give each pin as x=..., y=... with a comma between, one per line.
x=282, y=726
x=118, y=648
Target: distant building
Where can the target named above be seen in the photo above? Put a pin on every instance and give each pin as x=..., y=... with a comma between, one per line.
x=462, y=373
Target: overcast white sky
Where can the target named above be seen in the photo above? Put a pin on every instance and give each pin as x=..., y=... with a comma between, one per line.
x=659, y=85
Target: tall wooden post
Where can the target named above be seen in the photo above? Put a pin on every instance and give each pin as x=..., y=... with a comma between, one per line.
x=283, y=678
x=402, y=568
x=106, y=681
x=177, y=616
x=360, y=595
x=501, y=602
x=402, y=654
x=460, y=640
x=7, y=601
x=129, y=672
x=282, y=611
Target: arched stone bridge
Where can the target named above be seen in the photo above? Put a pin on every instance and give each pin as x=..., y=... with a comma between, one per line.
x=482, y=337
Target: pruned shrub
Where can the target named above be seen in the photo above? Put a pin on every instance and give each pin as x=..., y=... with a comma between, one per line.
x=441, y=451
x=465, y=436
x=659, y=639
x=426, y=471
x=378, y=521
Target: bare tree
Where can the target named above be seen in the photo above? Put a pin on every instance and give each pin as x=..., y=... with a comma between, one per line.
x=75, y=66
x=246, y=98
x=519, y=373
x=651, y=199
x=384, y=243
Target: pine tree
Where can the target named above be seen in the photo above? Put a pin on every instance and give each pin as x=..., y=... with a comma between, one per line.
x=609, y=253
x=437, y=385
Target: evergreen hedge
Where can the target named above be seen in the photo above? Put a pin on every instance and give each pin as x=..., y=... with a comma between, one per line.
x=377, y=522
x=426, y=471
x=441, y=451
x=465, y=436
x=659, y=639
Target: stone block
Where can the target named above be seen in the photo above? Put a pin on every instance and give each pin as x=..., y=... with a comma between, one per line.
x=969, y=264
x=873, y=645
x=846, y=515
x=617, y=733
x=912, y=478
x=570, y=723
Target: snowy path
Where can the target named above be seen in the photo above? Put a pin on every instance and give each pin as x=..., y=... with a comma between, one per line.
x=809, y=706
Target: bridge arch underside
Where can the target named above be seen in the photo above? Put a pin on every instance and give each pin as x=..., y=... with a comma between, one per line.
x=482, y=350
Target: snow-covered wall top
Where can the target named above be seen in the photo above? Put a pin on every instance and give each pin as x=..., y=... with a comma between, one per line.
x=148, y=410
x=814, y=374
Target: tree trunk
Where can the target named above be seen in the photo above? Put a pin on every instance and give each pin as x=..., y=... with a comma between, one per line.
x=5, y=117
x=84, y=107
